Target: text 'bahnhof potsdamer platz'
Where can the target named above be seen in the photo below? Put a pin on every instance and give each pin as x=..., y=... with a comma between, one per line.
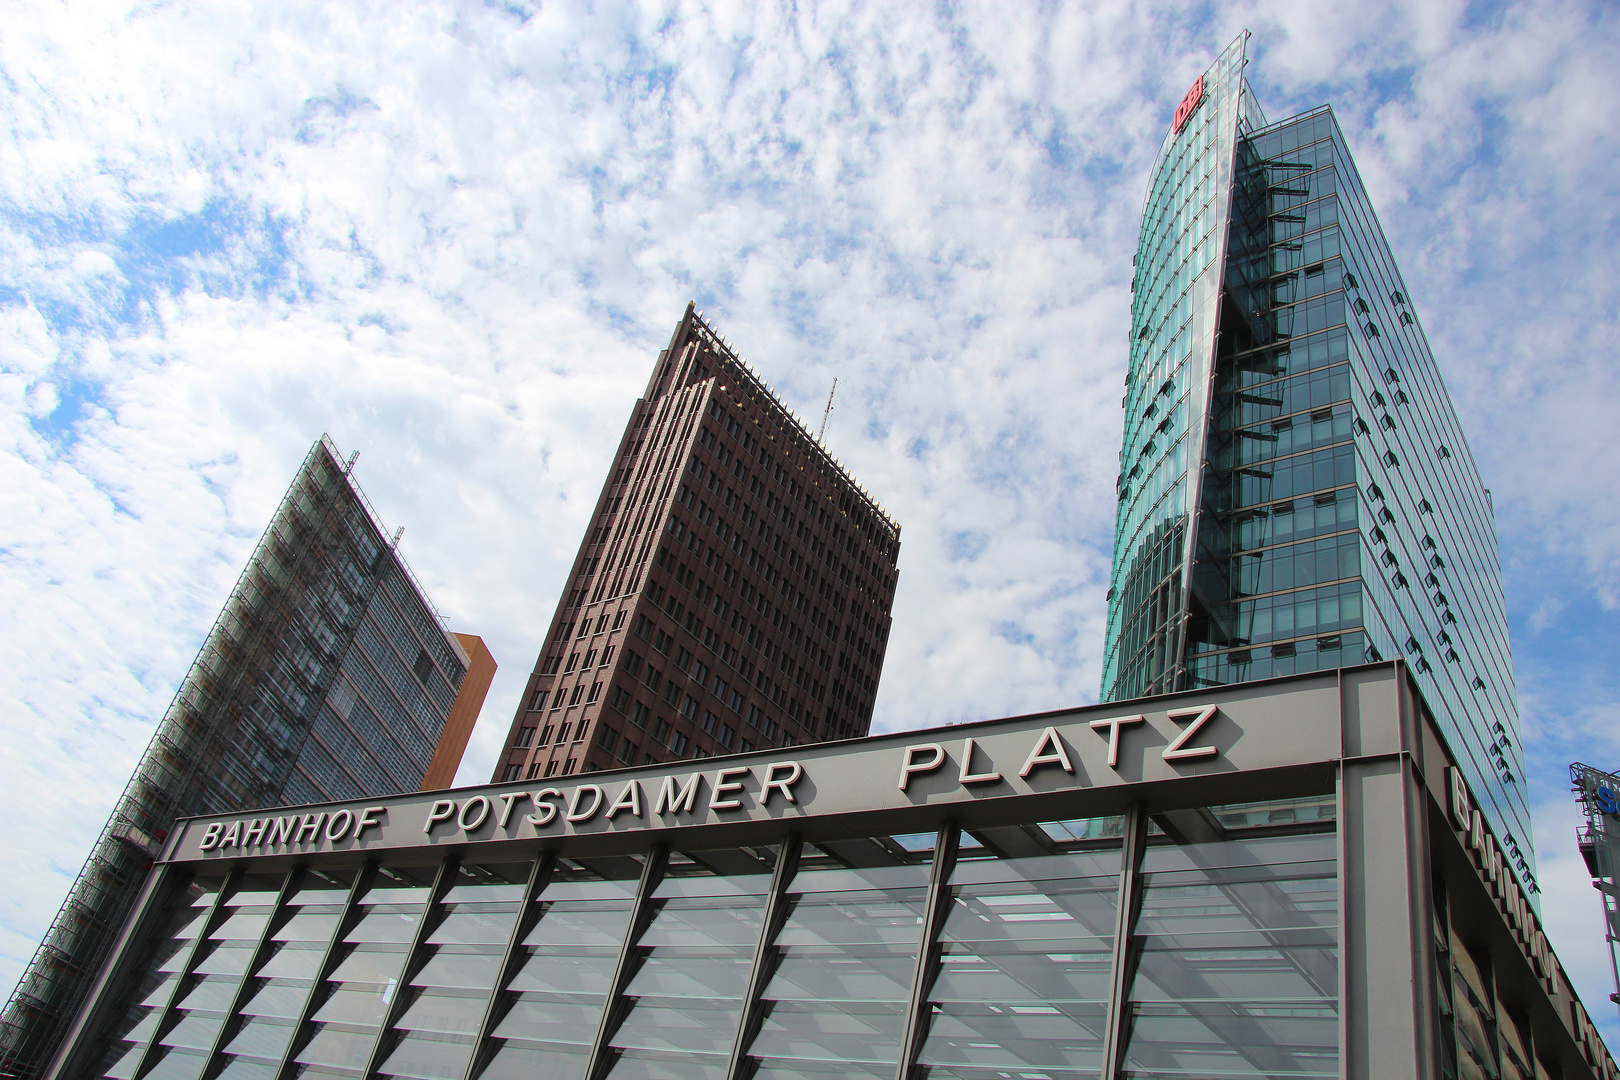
x=1287, y=878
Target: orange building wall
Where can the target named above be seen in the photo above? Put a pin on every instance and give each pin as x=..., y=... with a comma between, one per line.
x=441, y=771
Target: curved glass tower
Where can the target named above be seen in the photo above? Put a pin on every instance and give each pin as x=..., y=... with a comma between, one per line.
x=1295, y=492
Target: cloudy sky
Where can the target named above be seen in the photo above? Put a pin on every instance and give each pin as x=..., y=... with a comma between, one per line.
x=454, y=235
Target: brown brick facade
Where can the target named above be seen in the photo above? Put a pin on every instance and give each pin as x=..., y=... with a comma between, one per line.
x=733, y=590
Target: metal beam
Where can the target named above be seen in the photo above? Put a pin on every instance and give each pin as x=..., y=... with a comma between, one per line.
x=613, y=1006
x=935, y=908
x=386, y=1035
x=363, y=878
x=528, y=913
x=770, y=924
x=210, y=923
x=1124, y=965
x=212, y=1065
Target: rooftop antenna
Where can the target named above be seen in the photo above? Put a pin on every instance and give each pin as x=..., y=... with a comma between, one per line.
x=821, y=436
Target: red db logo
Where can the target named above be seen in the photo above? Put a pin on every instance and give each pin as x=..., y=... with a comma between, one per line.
x=1189, y=105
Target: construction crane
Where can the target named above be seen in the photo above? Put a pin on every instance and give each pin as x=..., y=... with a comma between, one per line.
x=821, y=436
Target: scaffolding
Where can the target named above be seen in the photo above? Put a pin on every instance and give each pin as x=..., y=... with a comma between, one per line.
x=1599, y=838
x=230, y=738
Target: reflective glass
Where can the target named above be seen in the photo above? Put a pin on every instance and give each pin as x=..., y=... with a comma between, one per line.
x=352, y=1002
x=218, y=966
x=842, y=965
x=552, y=1005
x=1238, y=969
x=693, y=960
x=1026, y=957
x=455, y=973
x=156, y=986
x=280, y=985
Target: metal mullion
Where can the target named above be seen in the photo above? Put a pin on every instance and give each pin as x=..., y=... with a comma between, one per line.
x=228, y=1030
x=935, y=908
x=1130, y=896
x=748, y=1021
x=362, y=881
x=383, y=1045
x=210, y=923
x=652, y=872
x=527, y=915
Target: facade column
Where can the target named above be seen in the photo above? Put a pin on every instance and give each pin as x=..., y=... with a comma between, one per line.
x=935, y=908
x=213, y=1064
x=1387, y=954
x=641, y=913
x=1124, y=964
x=528, y=913
x=216, y=912
x=749, y=1019
x=363, y=878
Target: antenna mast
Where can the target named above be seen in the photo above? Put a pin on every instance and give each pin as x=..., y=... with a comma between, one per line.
x=821, y=436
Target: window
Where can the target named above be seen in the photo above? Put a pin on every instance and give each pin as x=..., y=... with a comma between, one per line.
x=607, y=738
x=551, y=767
x=1424, y=507
x=596, y=692
x=700, y=673
x=638, y=715
x=552, y=664
x=534, y=770
x=578, y=690
x=562, y=735
x=1387, y=422
x=689, y=707
x=573, y=662
x=607, y=655
x=1445, y=451
x=618, y=620
x=683, y=658
x=540, y=700
x=590, y=658
x=573, y=763
x=525, y=739
x=513, y=772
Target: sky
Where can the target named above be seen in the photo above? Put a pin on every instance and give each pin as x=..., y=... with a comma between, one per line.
x=455, y=236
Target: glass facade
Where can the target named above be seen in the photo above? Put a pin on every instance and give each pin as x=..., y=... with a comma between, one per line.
x=326, y=676
x=966, y=953
x=1296, y=493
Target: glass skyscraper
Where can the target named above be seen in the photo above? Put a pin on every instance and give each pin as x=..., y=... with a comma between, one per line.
x=328, y=675
x=1295, y=492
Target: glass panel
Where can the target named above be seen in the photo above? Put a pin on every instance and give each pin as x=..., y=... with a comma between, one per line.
x=217, y=974
x=353, y=1001
x=843, y=965
x=1237, y=938
x=554, y=998
x=281, y=984
x=694, y=958
x=456, y=973
x=1026, y=957
x=152, y=991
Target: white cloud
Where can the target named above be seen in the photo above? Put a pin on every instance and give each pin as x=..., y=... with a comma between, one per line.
x=456, y=237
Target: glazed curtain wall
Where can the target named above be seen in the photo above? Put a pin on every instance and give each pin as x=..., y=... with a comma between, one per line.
x=1176, y=945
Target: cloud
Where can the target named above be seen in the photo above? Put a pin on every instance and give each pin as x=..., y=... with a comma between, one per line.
x=456, y=235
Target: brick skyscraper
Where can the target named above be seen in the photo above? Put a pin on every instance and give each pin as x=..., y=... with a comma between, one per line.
x=732, y=592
